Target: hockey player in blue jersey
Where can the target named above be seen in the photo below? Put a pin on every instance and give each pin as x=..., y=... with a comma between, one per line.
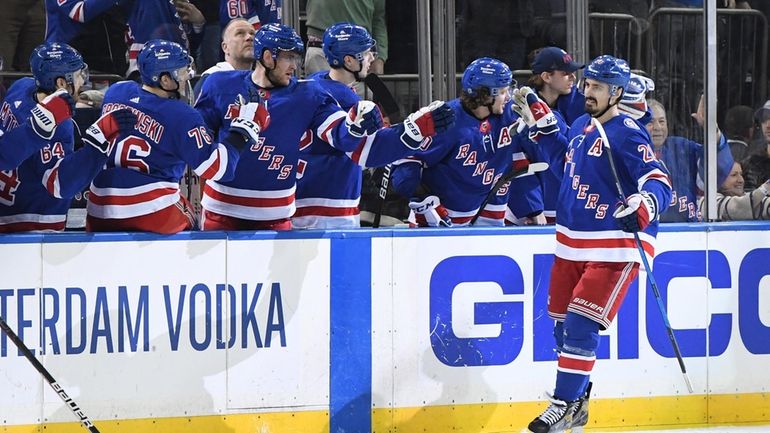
x=262, y=194
x=139, y=189
x=596, y=252
x=323, y=204
x=449, y=181
x=554, y=81
x=43, y=171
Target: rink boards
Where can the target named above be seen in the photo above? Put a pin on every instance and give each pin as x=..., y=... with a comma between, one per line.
x=371, y=330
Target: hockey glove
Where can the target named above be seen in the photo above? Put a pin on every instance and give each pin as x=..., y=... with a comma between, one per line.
x=51, y=112
x=543, y=121
x=363, y=119
x=427, y=122
x=101, y=134
x=636, y=214
x=244, y=129
x=430, y=213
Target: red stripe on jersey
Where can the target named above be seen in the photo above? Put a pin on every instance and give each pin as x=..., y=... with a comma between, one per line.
x=51, y=184
x=461, y=220
x=579, y=364
x=248, y=201
x=326, y=211
x=306, y=139
x=31, y=226
x=497, y=215
x=356, y=156
x=325, y=134
x=213, y=169
x=144, y=197
x=602, y=243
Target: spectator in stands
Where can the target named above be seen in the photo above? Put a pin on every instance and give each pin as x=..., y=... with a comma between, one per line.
x=684, y=160
x=739, y=128
x=22, y=28
x=256, y=12
x=208, y=53
x=762, y=116
x=96, y=28
x=238, y=48
x=733, y=203
x=321, y=14
x=756, y=166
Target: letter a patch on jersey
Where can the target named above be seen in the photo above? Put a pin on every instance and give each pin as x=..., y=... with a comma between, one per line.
x=505, y=137
x=596, y=148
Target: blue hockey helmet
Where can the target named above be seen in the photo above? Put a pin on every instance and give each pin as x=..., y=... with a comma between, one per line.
x=52, y=60
x=634, y=102
x=159, y=56
x=610, y=70
x=276, y=38
x=486, y=73
x=346, y=39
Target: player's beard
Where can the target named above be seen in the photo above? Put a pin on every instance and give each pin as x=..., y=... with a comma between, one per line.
x=594, y=108
x=276, y=78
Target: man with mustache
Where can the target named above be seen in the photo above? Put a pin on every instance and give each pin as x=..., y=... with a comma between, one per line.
x=596, y=251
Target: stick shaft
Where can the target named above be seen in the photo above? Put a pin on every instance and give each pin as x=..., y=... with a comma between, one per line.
x=84, y=420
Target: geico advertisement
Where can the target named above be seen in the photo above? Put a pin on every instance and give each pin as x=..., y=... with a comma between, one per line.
x=469, y=323
x=175, y=327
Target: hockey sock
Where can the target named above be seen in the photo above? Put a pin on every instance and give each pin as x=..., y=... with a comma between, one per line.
x=577, y=357
x=558, y=335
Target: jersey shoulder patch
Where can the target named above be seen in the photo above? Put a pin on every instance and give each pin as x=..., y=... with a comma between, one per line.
x=631, y=123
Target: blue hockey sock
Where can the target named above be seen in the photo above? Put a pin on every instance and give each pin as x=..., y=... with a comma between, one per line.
x=577, y=357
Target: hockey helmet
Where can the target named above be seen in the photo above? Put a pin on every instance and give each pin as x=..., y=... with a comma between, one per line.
x=158, y=57
x=52, y=60
x=610, y=70
x=486, y=73
x=634, y=101
x=276, y=38
x=346, y=39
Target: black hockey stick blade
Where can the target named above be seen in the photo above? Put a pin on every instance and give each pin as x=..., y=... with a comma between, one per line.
x=383, y=97
x=68, y=401
x=529, y=170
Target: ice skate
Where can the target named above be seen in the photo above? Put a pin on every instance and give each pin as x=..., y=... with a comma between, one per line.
x=562, y=416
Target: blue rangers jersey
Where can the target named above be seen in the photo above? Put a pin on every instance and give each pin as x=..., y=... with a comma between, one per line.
x=155, y=19
x=65, y=18
x=684, y=160
x=325, y=201
x=264, y=186
x=571, y=106
x=551, y=149
x=18, y=141
x=463, y=163
x=585, y=227
x=144, y=167
x=34, y=196
x=256, y=12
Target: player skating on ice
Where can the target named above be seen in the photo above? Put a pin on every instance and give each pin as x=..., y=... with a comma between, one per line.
x=596, y=253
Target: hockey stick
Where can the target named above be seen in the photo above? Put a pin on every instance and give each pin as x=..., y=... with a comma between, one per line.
x=529, y=170
x=68, y=401
x=646, y=264
x=383, y=97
